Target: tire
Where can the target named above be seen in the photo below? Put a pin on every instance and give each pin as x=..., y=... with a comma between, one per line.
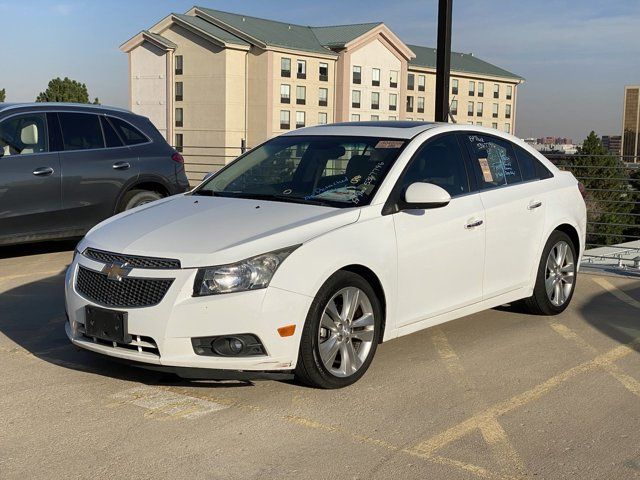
x=560, y=279
x=351, y=340
x=135, y=198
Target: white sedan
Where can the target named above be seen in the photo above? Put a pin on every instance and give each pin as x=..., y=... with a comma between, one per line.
x=305, y=253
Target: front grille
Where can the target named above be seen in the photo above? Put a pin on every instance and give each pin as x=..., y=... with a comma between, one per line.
x=126, y=293
x=134, y=261
x=139, y=343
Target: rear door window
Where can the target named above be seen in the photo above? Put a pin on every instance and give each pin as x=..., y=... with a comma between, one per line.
x=130, y=134
x=111, y=138
x=531, y=167
x=24, y=134
x=81, y=131
x=494, y=160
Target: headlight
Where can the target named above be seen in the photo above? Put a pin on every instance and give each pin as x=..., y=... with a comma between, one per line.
x=250, y=274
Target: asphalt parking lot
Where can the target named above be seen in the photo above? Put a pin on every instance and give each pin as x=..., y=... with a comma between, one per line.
x=494, y=395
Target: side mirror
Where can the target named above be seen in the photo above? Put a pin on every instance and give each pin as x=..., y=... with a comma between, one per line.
x=207, y=176
x=421, y=195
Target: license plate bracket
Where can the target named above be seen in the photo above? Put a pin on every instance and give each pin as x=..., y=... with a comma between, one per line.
x=109, y=325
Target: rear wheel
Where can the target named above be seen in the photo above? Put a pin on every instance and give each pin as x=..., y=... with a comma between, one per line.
x=341, y=333
x=556, y=278
x=135, y=198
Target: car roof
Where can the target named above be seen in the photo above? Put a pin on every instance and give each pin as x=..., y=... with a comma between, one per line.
x=383, y=129
x=60, y=105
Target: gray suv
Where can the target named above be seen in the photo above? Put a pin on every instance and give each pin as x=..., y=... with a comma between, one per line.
x=66, y=167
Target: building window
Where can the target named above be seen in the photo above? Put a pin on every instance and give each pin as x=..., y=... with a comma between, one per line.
x=507, y=127
x=285, y=119
x=179, y=146
x=494, y=125
x=422, y=81
x=496, y=90
x=495, y=110
x=479, y=124
x=409, y=103
x=472, y=88
x=480, y=109
x=285, y=67
x=322, y=118
x=355, y=117
x=375, y=100
x=481, y=89
x=302, y=69
x=420, y=104
x=301, y=95
x=179, y=92
x=375, y=77
x=179, y=64
x=454, y=86
x=375, y=118
x=507, y=112
x=509, y=92
x=357, y=74
x=454, y=107
x=323, y=72
x=300, y=119
x=411, y=80
x=392, y=117
x=179, y=117
x=285, y=93
x=355, y=99
x=470, y=109
x=393, y=101
x=323, y=95
x=393, y=78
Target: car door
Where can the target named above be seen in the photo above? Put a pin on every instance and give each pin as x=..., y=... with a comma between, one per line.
x=95, y=167
x=30, y=203
x=440, y=250
x=514, y=209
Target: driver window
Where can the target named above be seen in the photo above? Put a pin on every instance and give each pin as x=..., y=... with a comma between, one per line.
x=440, y=162
x=24, y=134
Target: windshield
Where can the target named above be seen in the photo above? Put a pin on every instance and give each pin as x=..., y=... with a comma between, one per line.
x=335, y=171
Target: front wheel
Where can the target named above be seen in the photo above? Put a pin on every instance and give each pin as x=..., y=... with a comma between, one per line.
x=556, y=278
x=341, y=333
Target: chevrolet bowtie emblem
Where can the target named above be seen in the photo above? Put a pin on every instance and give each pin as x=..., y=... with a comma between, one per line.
x=116, y=271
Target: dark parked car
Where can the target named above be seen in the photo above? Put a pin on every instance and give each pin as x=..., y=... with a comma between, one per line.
x=66, y=167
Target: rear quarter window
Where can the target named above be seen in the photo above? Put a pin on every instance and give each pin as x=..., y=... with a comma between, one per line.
x=530, y=166
x=128, y=133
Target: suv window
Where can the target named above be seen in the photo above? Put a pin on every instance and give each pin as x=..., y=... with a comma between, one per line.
x=24, y=134
x=80, y=131
x=440, y=162
x=495, y=161
x=130, y=134
x=531, y=167
x=110, y=136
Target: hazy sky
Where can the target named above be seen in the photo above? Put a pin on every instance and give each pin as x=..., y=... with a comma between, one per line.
x=576, y=55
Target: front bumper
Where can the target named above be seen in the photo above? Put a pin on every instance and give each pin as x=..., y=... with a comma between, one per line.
x=162, y=333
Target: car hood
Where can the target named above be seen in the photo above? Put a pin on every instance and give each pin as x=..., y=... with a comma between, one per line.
x=201, y=231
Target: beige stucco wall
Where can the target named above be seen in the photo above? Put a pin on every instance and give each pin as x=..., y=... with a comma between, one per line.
x=149, y=84
x=260, y=81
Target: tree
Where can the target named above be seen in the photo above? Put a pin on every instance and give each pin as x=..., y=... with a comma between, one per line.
x=609, y=192
x=66, y=90
x=3, y=95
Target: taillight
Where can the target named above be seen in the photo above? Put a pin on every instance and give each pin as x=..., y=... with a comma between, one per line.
x=583, y=191
x=176, y=157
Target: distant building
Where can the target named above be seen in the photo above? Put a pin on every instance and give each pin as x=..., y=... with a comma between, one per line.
x=631, y=123
x=613, y=143
x=216, y=79
x=554, y=141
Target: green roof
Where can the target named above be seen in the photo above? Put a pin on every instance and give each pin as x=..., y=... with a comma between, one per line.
x=160, y=39
x=270, y=32
x=211, y=29
x=460, y=62
x=340, y=35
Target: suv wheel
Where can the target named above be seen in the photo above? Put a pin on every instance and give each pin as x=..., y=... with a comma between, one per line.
x=135, y=198
x=341, y=333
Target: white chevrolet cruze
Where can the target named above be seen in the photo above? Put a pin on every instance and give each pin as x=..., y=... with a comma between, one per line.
x=302, y=255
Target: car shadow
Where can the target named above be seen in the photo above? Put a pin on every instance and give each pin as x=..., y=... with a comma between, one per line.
x=28, y=249
x=33, y=316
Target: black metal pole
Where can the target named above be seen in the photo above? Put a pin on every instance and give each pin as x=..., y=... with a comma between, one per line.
x=443, y=62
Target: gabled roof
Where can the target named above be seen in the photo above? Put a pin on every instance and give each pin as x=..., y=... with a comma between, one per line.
x=337, y=36
x=460, y=62
x=209, y=28
x=160, y=39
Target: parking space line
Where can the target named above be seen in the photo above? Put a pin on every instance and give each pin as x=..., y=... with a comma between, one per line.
x=615, y=291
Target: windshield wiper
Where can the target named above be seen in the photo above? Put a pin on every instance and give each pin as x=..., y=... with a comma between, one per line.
x=263, y=196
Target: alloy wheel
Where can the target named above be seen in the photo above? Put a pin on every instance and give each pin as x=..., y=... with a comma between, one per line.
x=559, y=273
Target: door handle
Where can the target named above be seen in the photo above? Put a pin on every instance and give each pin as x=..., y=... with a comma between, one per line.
x=43, y=171
x=534, y=205
x=121, y=166
x=473, y=224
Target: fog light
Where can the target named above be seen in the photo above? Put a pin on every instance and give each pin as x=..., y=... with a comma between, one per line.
x=241, y=345
x=235, y=345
